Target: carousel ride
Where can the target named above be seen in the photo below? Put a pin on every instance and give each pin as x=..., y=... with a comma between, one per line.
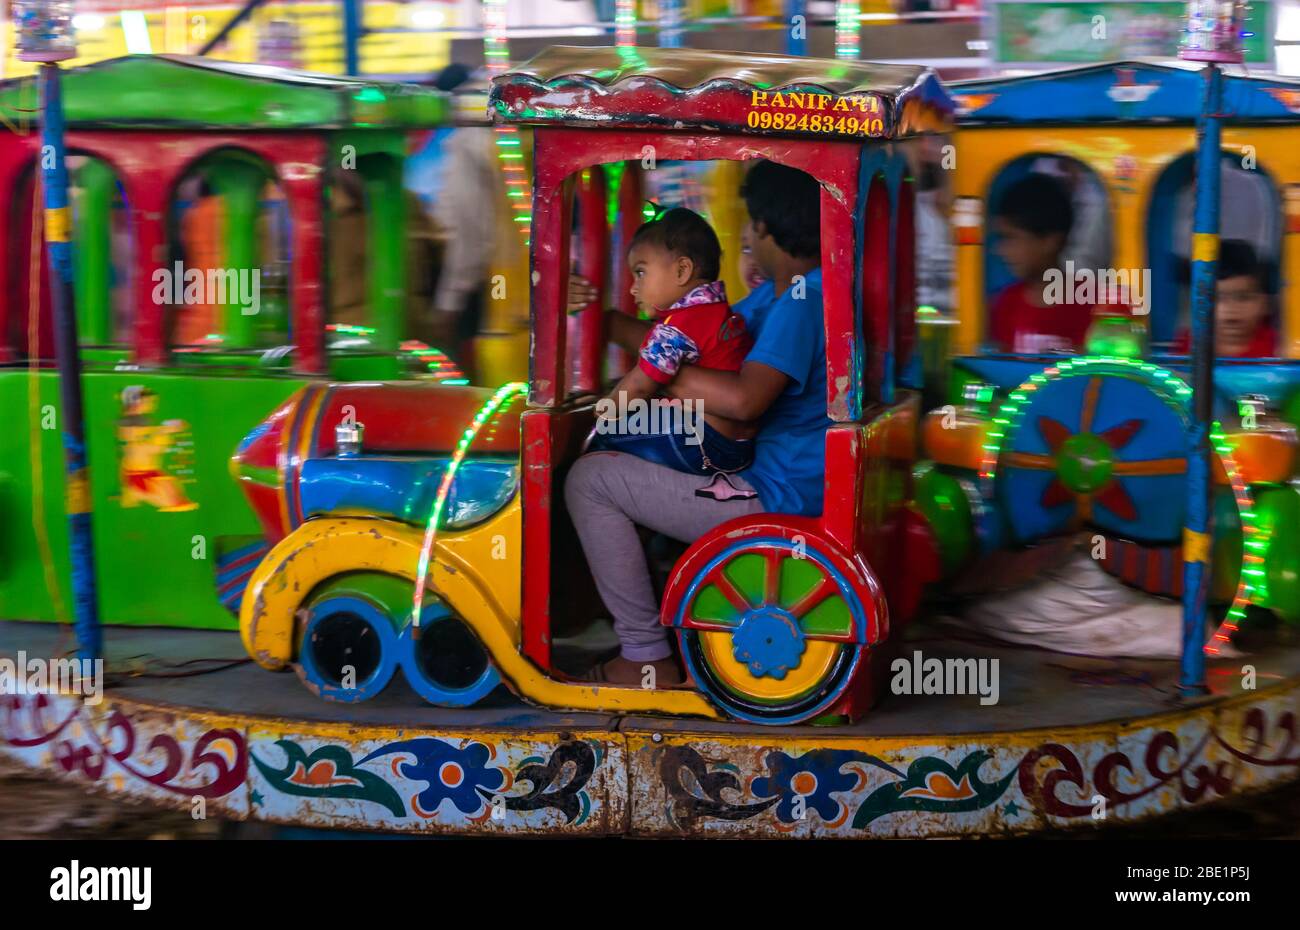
x=415, y=567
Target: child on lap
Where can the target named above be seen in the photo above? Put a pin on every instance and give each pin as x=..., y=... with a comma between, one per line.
x=675, y=262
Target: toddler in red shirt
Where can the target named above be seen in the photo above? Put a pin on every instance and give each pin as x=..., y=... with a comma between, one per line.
x=675, y=262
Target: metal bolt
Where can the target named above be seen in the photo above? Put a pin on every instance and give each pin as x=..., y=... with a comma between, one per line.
x=347, y=438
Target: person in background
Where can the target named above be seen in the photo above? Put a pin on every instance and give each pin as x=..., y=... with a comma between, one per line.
x=1033, y=221
x=1088, y=244
x=466, y=210
x=934, y=249
x=201, y=248
x=1243, y=306
x=347, y=249
x=750, y=272
x=1249, y=213
x=424, y=251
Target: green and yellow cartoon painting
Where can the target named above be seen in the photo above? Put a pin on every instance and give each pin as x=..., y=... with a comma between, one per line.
x=148, y=448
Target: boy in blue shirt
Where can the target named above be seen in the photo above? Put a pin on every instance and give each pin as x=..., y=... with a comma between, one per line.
x=781, y=385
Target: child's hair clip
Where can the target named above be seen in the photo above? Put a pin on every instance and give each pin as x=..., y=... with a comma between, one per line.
x=653, y=212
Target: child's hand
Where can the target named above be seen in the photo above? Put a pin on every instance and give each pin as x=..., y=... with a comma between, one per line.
x=581, y=293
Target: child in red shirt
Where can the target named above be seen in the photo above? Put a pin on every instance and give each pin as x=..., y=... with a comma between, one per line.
x=675, y=262
x=1032, y=222
x=1242, y=328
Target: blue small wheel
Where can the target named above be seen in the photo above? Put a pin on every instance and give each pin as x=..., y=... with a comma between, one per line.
x=446, y=664
x=348, y=651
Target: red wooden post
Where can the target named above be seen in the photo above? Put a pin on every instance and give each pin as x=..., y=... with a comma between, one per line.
x=905, y=278
x=593, y=264
x=877, y=271
x=15, y=154
x=843, y=378
x=148, y=195
x=303, y=190
x=552, y=227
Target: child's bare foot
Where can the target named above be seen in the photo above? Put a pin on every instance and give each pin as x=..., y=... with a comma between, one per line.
x=661, y=673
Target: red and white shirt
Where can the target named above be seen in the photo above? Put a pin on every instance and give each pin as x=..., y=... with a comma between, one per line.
x=700, y=329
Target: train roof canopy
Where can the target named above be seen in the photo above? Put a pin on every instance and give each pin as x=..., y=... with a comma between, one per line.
x=740, y=92
x=1120, y=91
x=182, y=92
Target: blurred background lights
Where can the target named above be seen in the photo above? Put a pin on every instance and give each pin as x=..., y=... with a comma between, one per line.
x=135, y=29
x=88, y=22
x=427, y=16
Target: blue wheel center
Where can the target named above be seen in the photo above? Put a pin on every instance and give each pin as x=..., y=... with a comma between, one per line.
x=768, y=641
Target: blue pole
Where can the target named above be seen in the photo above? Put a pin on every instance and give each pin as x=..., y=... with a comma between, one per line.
x=58, y=227
x=1205, y=255
x=796, y=20
x=670, y=23
x=351, y=37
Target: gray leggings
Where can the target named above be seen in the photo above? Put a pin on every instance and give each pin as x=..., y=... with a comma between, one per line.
x=608, y=494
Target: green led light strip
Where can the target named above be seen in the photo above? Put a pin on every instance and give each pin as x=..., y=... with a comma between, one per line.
x=519, y=192
x=491, y=406
x=625, y=22
x=1254, y=546
x=1174, y=392
x=846, y=30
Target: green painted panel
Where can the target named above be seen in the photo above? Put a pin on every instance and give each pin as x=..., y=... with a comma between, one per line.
x=798, y=577
x=92, y=251
x=392, y=595
x=712, y=604
x=146, y=559
x=161, y=91
x=830, y=616
x=748, y=572
x=347, y=367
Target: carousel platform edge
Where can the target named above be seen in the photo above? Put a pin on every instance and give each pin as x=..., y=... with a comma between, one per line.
x=634, y=779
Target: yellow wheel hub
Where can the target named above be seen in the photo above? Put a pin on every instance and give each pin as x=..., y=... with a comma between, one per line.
x=816, y=662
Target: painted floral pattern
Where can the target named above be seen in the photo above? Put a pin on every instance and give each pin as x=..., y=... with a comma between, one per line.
x=463, y=776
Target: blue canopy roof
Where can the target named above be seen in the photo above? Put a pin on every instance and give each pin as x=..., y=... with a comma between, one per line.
x=1123, y=91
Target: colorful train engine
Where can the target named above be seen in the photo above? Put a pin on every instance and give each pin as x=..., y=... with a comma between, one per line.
x=424, y=527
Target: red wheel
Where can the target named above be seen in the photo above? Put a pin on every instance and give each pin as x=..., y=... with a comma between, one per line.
x=772, y=624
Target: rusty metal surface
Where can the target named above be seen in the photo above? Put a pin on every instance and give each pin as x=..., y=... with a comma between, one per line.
x=477, y=784
x=642, y=781
x=170, y=757
x=248, y=746
x=987, y=785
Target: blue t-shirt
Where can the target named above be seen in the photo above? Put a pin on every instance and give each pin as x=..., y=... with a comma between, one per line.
x=790, y=452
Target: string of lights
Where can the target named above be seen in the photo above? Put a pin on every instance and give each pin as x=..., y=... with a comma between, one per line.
x=1177, y=394
x=496, y=53
x=1254, y=547
x=846, y=30
x=490, y=408
x=625, y=22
